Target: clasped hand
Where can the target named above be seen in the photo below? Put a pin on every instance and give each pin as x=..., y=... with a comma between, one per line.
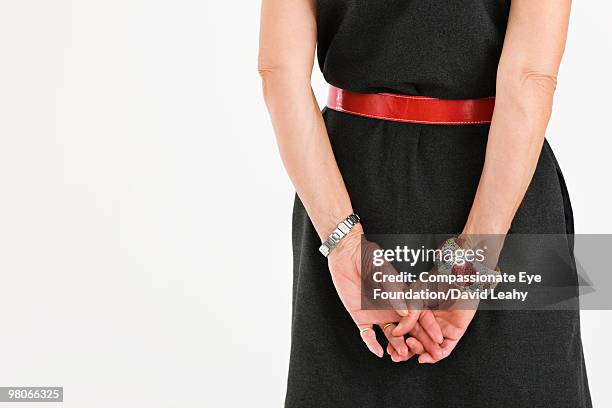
x=411, y=329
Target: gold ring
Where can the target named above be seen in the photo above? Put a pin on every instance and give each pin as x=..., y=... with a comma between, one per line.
x=365, y=329
x=386, y=325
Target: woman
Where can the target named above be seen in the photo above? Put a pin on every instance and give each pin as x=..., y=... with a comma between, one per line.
x=420, y=176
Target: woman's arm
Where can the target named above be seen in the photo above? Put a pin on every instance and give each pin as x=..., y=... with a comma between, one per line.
x=287, y=48
x=526, y=81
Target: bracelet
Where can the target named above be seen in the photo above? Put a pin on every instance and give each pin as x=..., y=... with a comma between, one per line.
x=340, y=232
x=467, y=273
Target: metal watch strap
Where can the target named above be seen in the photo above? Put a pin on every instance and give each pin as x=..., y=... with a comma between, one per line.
x=340, y=232
x=450, y=267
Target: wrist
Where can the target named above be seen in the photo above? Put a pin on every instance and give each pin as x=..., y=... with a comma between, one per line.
x=488, y=246
x=485, y=228
x=340, y=234
x=328, y=223
x=347, y=247
x=351, y=240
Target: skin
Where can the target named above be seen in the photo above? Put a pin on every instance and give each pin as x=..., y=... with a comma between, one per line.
x=526, y=81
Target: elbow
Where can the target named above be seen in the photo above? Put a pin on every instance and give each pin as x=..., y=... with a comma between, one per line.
x=267, y=73
x=543, y=82
x=277, y=72
x=265, y=70
x=528, y=90
x=267, y=63
x=275, y=66
x=527, y=95
x=271, y=80
x=525, y=82
x=270, y=65
x=282, y=79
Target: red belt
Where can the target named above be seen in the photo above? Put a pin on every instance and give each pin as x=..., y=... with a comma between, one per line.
x=414, y=109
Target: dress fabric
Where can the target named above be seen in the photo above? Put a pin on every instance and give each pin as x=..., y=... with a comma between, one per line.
x=408, y=178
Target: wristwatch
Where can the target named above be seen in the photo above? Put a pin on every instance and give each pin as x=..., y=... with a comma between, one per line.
x=340, y=232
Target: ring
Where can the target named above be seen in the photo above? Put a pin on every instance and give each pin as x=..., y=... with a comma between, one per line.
x=365, y=329
x=386, y=325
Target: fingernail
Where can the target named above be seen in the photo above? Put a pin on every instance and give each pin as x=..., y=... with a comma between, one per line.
x=402, y=313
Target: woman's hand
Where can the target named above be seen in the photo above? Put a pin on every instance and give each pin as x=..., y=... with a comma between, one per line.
x=453, y=323
x=345, y=265
x=452, y=317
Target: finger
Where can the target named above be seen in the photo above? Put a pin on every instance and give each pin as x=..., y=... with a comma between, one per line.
x=426, y=358
x=396, y=358
x=447, y=348
x=407, y=323
x=431, y=326
x=391, y=351
x=396, y=341
x=369, y=338
x=451, y=331
x=415, y=346
x=431, y=347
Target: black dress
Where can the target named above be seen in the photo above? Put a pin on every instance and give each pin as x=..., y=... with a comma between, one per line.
x=421, y=179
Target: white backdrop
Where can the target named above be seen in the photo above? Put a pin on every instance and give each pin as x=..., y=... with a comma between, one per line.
x=140, y=187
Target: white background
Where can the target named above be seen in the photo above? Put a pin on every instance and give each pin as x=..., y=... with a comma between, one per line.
x=140, y=188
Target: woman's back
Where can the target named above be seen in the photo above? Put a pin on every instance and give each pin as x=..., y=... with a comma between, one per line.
x=439, y=48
